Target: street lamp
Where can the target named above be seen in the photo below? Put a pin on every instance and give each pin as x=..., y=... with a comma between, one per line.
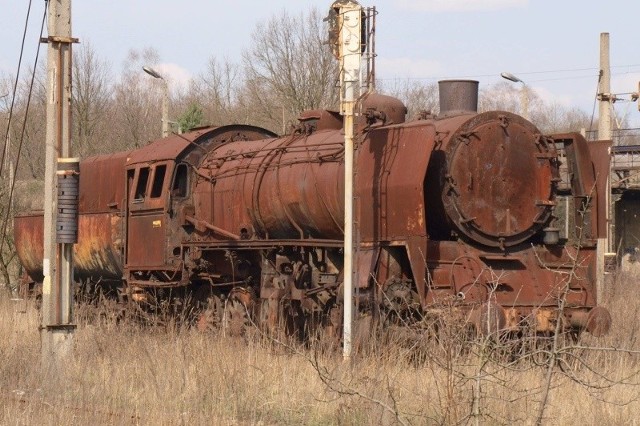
x=5, y=152
x=165, y=99
x=524, y=93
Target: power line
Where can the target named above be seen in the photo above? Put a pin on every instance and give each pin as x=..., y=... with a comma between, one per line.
x=15, y=88
x=595, y=97
x=24, y=124
x=556, y=71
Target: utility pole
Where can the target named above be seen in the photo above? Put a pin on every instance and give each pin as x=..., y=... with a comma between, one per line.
x=604, y=133
x=346, y=20
x=60, y=192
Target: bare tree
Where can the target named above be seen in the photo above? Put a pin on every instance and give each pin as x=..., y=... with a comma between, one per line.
x=417, y=95
x=289, y=68
x=30, y=114
x=556, y=118
x=137, y=101
x=549, y=117
x=217, y=91
x=91, y=100
x=500, y=96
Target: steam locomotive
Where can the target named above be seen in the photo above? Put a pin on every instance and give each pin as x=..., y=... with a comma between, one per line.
x=459, y=208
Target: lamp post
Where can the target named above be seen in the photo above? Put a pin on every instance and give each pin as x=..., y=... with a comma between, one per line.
x=524, y=93
x=5, y=153
x=165, y=99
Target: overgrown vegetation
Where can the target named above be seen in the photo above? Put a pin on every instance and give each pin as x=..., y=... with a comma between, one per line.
x=123, y=373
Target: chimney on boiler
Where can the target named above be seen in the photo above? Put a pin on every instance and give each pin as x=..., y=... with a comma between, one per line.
x=458, y=97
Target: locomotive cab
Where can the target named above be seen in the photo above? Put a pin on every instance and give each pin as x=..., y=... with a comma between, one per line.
x=147, y=213
x=161, y=205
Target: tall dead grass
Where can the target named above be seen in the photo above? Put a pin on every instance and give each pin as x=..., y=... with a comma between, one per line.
x=125, y=374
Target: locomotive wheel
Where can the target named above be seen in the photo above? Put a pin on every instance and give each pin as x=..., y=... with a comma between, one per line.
x=237, y=312
x=210, y=319
x=282, y=319
x=330, y=335
x=269, y=315
x=236, y=318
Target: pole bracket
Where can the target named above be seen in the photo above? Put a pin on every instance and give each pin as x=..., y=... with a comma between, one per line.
x=607, y=97
x=60, y=327
x=59, y=39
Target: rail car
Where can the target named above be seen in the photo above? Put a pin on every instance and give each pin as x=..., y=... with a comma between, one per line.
x=458, y=207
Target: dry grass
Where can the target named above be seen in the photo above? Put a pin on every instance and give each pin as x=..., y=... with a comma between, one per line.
x=127, y=375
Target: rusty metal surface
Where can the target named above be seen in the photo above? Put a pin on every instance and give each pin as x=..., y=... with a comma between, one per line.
x=528, y=277
x=176, y=146
x=102, y=183
x=147, y=240
x=453, y=207
x=585, y=185
x=497, y=178
x=392, y=164
x=600, y=153
x=390, y=110
x=321, y=119
x=152, y=236
x=281, y=188
x=166, y=148
x=98, y=254
x=458, y=96
x=28, y=232
x=292, y=187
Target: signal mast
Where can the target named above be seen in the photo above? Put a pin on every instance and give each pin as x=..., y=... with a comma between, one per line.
x=351, y=35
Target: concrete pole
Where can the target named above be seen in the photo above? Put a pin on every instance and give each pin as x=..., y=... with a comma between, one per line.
x=57, y=328
x=604, y=94
x=604, y=133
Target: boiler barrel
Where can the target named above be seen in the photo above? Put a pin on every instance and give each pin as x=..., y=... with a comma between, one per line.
x=284, y=188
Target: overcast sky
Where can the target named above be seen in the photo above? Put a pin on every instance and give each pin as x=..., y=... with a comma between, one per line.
x=552, y=45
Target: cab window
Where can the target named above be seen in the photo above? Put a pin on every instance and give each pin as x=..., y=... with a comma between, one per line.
x=141, y=185
x=158, y=181
x=180, y=181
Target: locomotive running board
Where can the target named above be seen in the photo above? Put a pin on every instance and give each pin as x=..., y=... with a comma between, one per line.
x=263, y=244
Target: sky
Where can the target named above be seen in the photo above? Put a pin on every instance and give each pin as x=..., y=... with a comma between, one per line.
x=553, y=46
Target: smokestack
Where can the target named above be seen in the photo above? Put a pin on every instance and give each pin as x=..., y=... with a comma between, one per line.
x=458, y=96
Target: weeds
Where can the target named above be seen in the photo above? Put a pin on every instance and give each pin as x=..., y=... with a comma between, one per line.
x=126, y=373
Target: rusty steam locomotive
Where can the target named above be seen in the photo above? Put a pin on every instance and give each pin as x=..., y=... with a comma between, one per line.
x=460, y=207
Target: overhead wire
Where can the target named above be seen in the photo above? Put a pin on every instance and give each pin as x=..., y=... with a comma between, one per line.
x=15, y=88
x=556, y=71
x=24, y=125
x=595, y=97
